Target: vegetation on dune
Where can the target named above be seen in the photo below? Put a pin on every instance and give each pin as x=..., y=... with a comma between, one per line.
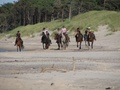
x=30, y=12
x=89, y=19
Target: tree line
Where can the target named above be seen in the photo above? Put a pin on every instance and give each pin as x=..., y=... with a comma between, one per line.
x=24, y=12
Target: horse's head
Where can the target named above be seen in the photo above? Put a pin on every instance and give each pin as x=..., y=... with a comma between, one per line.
x=91, y=36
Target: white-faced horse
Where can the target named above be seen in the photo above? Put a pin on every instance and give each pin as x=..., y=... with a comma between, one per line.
x=64, y=40
x=45, y=41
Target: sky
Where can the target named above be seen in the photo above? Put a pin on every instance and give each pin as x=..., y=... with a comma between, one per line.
x=6, y=1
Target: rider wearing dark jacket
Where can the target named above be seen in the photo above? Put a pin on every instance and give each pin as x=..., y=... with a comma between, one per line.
x=18, y=35
x=45, y=34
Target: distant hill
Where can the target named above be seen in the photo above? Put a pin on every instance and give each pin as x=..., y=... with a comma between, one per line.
x=89, y=19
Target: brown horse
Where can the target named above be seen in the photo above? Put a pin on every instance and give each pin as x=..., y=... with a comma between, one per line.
x=58, y=40
x=19, y=44
x=91, y=38
x=79, y=39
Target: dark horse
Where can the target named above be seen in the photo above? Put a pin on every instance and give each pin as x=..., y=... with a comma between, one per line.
x=19, y=44
x=58, y=40
x=91, y=38
x=45, y=41
x=79, y=39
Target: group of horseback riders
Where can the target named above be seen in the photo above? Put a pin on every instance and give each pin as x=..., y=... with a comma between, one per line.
x=63, y=31
x=86, y=36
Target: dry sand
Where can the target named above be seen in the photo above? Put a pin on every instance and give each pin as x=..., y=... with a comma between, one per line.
x=70, y=69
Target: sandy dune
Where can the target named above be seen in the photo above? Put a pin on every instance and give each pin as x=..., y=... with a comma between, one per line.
x=71, y=69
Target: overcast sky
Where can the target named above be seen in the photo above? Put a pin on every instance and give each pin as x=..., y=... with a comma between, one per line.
x=6, y=1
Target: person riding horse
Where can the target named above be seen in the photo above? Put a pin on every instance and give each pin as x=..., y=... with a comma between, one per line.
x=58, y=37
x=89, y=36
x=86, y=35
x=78, y=33
x=46, y=34
x=79, y=37
x=18, y=36
x=65, y=33
x=45, y=38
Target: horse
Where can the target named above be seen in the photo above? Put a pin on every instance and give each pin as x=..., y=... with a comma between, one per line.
x=58, y=40
x=19, y=44
x=91, y=38
x=45, y=41
x=79, y=39
x=64, y=40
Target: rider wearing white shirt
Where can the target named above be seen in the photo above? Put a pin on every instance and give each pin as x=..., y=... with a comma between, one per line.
x=64, y=30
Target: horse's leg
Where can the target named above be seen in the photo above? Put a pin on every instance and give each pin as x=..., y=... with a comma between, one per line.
x=80, y=46
x=92, y=44
x=48, y=45
x=58, y=46
x=20, y=48
x=17, y=48
x=77, y=44
x=61, y=44
x=43, y=46
x=88, y=43
x=65, y=44
x=85, y=43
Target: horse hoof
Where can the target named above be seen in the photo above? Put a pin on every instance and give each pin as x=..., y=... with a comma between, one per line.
x=58, y=49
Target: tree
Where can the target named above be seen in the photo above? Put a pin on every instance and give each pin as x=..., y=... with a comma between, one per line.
x=24, y=12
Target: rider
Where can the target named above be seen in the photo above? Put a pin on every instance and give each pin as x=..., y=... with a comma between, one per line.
x=44, y=31
x=86, y=35
x=63, y=29
x=18, y=35
x=58, y=31
x=46, y=34
x=65, y=32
